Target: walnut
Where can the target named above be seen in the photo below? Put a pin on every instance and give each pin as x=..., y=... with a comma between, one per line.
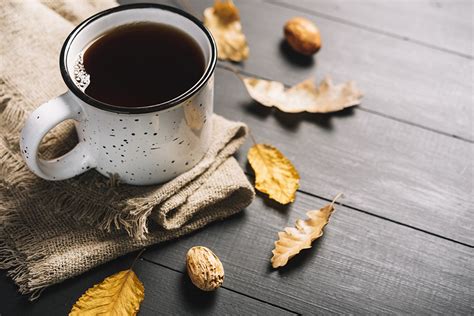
x=204, y=268
x=302, y=35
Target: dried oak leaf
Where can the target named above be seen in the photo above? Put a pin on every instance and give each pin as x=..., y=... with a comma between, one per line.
x=294, y=239
x=304, y=96
x=223, y=20
x=275, y=175
x=118, y=294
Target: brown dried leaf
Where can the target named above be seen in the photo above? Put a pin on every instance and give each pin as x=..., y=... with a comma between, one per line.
x=294, y=239
x=274, y=173
x=304, y=96
x=223, y=21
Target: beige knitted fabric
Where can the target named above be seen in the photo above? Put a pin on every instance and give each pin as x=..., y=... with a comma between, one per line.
x=50, y=231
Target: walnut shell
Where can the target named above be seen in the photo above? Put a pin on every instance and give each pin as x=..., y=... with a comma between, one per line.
x=204, y=268
x=302, y=35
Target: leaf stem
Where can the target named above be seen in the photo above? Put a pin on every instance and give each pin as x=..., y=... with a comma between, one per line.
x=231, y=68
x=252, y=138
x=336, y=197
x=137, y=257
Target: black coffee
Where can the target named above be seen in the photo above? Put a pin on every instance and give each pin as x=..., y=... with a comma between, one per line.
x=142, y=64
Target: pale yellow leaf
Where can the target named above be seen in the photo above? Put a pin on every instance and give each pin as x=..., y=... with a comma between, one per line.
x=294, y=239
x=223, y=21
x=304, y=96
x=275, y=175
x=118, y=294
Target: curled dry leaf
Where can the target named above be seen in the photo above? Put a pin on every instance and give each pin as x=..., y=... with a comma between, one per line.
x=304, y=96
x=223, y=21
x=119, y=294
x=294, y=239
x=275, y=175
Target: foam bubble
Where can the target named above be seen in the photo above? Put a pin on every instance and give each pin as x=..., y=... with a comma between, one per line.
x=80, y=76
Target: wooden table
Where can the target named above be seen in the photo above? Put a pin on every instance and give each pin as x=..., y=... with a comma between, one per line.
x=402, y=240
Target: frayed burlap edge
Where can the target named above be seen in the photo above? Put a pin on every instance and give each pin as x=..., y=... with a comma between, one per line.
x=30, y=263
x=26, y=262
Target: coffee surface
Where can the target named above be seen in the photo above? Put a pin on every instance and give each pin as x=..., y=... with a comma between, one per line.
x=142, y=64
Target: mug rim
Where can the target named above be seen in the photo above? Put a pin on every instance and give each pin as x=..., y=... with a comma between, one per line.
x=142, y=109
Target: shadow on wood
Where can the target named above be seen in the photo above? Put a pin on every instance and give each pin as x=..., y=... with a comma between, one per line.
x=291, y=121
x=273, y=204
x=256, y=109
x=238, y=155
x=294, y=57
x=194, y=298
x=297, y=262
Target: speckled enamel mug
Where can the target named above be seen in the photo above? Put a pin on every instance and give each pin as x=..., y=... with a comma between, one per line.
x=142, y=145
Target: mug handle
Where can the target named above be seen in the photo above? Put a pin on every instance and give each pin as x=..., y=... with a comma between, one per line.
x=42, y=120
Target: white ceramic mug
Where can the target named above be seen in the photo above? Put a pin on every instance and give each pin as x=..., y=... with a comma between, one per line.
x=142, y=145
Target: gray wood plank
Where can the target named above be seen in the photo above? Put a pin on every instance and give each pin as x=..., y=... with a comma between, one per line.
x=362, y=264
x=400, y=79
x=167, y=292
x=443, y=24
x=385, y=167
x=388, y=168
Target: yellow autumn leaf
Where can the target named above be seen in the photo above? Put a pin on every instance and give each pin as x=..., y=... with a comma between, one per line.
x=118, y=294
x=304, y=96
x=294, y=239
x=275, y=175
x=223, y=20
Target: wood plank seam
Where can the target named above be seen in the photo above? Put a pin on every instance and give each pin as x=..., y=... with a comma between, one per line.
x=353, y=208
x=368, y=28
x=362, y=108
x=222, y=65
x=224, y=287
x=467, y=138
x=230, y=69
x=361, y=270
x=387, y=219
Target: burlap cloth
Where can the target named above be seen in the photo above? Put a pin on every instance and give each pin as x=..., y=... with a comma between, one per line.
x=51, y=231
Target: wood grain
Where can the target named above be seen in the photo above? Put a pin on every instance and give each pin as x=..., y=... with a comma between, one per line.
x=400, y=79
x=362, y=264
x=391, y=158
x=402, y=172
x=385, y=167
x=167, y=292
x=440, y=24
